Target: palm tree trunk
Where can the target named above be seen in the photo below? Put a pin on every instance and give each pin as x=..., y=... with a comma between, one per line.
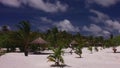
x=57, y=63
x=26, y=48
x=80, y=56
x=114, y=49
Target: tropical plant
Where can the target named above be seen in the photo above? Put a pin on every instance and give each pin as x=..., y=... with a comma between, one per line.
x=5, y=37
x=56, y=56
x=90, y=49
x=54, y=36
x=96, y=49
x=115, y=42
x=24, y=34
x=78, y=50
x=6, y=41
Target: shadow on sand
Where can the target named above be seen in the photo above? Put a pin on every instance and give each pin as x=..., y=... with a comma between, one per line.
x=60, y=66
x=79, y=57
x=40, y=53
x=113, y=52
x=117, y=52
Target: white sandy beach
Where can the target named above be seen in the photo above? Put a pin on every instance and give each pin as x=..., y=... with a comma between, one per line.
x=102, y=59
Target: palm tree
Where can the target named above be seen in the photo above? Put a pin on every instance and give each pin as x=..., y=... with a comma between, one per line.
x=112, y=43
x=24, y=34
x=56, y=56
x=54, y=34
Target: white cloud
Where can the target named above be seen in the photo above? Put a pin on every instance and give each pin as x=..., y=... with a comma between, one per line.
x=63, y=25
x=43, y=28
x=66, y=25
x=113, y=24
x=105, y=19
x=96, y=30
x=11, y=3
x=47, y=7
x=106, y=32
x=108, y=25
x=46, y=20
x=104, y=3
x=93, y=28
x=37, y=4
x=100, y=17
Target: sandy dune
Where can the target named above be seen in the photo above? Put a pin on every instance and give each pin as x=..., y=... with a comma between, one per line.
x=102, y=59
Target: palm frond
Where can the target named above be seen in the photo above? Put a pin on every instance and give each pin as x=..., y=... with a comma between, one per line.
x=51, y=58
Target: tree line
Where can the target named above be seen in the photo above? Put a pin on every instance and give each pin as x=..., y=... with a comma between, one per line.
x=24, y=35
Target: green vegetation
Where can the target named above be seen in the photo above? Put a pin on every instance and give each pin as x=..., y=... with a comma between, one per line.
x=78, y=50
x=96, y=49
x=24, y=35
x=57, y=40
x=56, y=56
x=90, y=49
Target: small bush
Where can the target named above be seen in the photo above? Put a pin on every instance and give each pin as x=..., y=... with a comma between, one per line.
x=90, y=49
x=78, y=51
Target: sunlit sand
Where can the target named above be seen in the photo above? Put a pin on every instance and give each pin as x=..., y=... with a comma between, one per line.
x=105, y=58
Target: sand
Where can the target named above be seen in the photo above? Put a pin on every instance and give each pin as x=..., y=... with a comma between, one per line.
x=103, y=59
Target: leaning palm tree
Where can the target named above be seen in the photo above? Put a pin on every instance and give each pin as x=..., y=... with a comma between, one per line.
x=56, y=56
x=24, y=34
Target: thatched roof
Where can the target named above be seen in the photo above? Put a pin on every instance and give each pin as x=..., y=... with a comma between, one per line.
x=39, y=41
x=74, y=42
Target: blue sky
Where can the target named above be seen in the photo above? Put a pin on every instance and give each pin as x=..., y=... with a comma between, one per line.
x=89, y=17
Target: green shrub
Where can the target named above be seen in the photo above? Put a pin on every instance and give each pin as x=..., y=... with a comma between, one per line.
x=90, y=49
x=78, y=50
x=56, y=56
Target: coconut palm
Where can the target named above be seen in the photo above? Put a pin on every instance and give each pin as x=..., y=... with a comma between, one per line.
x=54, y=35
x=24, y=34
x=56, y=56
